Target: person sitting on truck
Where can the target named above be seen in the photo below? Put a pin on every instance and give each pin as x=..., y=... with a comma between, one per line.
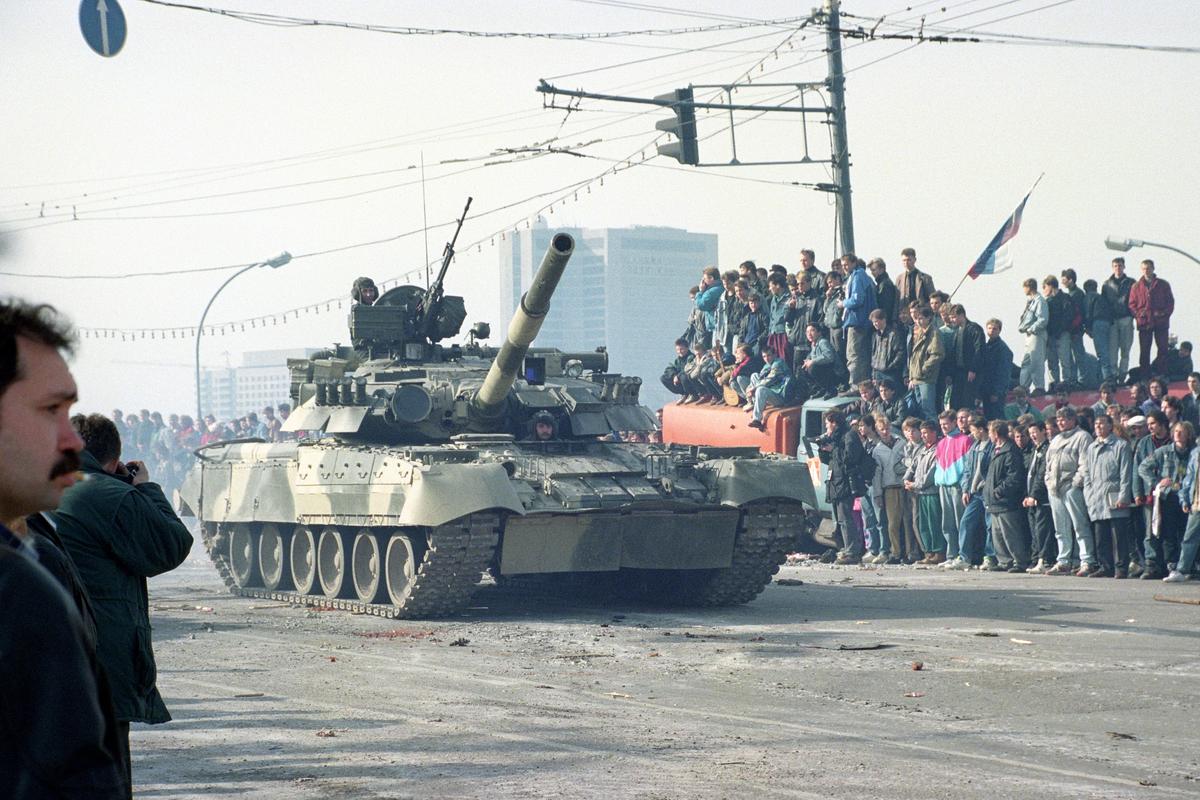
x=746, y=364
x=821, y=365
x=770, y=386
x=673, y=376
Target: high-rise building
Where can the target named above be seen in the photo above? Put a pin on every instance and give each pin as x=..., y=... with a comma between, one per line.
x=261, y=380
x=625, y=288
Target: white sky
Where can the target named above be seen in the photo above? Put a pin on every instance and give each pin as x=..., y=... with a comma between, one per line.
x=945, y=140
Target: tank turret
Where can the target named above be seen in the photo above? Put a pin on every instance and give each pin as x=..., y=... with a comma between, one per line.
x=488, y=402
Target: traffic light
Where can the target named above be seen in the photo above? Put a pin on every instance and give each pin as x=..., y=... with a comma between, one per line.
x=682, y=126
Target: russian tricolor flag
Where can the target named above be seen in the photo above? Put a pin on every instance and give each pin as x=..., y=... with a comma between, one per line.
x=995, y=257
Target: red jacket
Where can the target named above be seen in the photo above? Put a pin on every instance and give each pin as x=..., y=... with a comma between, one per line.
x=1151, y=304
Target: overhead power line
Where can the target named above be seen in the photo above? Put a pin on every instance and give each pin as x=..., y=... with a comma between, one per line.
x=285, y=21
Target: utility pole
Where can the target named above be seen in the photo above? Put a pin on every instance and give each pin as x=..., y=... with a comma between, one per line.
x=837, y=118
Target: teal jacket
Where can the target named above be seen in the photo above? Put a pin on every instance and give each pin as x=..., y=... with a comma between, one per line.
x=119, y=535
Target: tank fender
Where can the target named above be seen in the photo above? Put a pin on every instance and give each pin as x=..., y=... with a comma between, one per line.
x=741, y=481
x=187, y=496
x=442, y=492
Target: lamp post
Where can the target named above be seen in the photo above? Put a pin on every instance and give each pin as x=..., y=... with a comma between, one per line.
x=274, y=263
x=1124, y=245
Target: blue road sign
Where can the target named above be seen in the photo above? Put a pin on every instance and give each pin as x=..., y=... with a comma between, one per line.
x=103, y=26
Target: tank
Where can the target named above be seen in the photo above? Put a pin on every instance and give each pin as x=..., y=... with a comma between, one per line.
x=426, y=467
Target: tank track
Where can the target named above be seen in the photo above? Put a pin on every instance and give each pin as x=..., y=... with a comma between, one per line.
x=767, y=532
x=448, y=575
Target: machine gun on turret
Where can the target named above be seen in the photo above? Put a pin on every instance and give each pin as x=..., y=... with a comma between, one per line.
x=407, y=321
x=434, y=313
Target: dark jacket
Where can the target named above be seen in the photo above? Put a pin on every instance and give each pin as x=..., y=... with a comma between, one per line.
x=1116, y=294
x=1095, y=309
x=966, y=355
x=846, y=459
x=1035, y=476
x=754, y=327
x=1004, y=487
x=889, y=352
x=993, y=369
x=118, y=535
x=60, y=736
x=1062, y=313
x=887, y=298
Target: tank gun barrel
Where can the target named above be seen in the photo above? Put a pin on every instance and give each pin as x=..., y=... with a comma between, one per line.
x=526, y=323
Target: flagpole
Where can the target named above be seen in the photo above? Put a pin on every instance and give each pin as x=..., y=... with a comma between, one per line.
x=968, y=272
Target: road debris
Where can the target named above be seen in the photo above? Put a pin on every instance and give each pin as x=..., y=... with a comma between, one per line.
x=620, y=695
x=789, y=582
x=460, y=642
x=250, y=694
x=917, y=666
x=988, y=634
x=397, y=633
x=914, y=694
x=1118, y=735
x=1020, y=641
x=1187, y=601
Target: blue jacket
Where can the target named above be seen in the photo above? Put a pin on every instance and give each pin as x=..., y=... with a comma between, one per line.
x=1187, y=488
x=822, y=352
x=777, y=375
x=994, y=372
x=777, y=312
x=860, y=299
x=707, y=302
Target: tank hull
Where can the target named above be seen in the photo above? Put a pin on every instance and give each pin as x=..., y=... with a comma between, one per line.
x=408, y=532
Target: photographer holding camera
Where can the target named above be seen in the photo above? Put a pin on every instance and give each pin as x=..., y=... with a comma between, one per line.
x=120, y=530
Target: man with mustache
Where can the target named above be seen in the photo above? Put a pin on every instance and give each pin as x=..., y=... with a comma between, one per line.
x=120, y=530
x=59, y=733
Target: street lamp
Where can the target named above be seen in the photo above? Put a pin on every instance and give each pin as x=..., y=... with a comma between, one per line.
x=274, y=263
x=1124, y=246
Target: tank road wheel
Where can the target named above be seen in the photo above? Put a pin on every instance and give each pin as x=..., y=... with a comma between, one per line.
x=243, y=561
x=400, y=568
x=272, y=564
x=333, y=564
x=304, y=560
x=366, y=567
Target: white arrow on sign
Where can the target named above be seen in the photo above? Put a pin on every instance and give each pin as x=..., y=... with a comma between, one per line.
x=102, y=8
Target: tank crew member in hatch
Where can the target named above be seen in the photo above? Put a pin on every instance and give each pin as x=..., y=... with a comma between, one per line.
x=364, y=291
x=544, y=427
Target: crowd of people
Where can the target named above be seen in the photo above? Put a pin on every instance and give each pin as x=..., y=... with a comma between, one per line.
x=938, y=456
x=166, y=446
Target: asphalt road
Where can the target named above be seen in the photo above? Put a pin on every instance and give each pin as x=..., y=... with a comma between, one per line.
x=1029, y=686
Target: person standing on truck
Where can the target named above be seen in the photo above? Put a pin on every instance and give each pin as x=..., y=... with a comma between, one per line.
x=889, y=349
x=1034, y=320
x=925, y=360
x=1120, y=338
x=1151, y=303
x=841, y=448
x=860, y=301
